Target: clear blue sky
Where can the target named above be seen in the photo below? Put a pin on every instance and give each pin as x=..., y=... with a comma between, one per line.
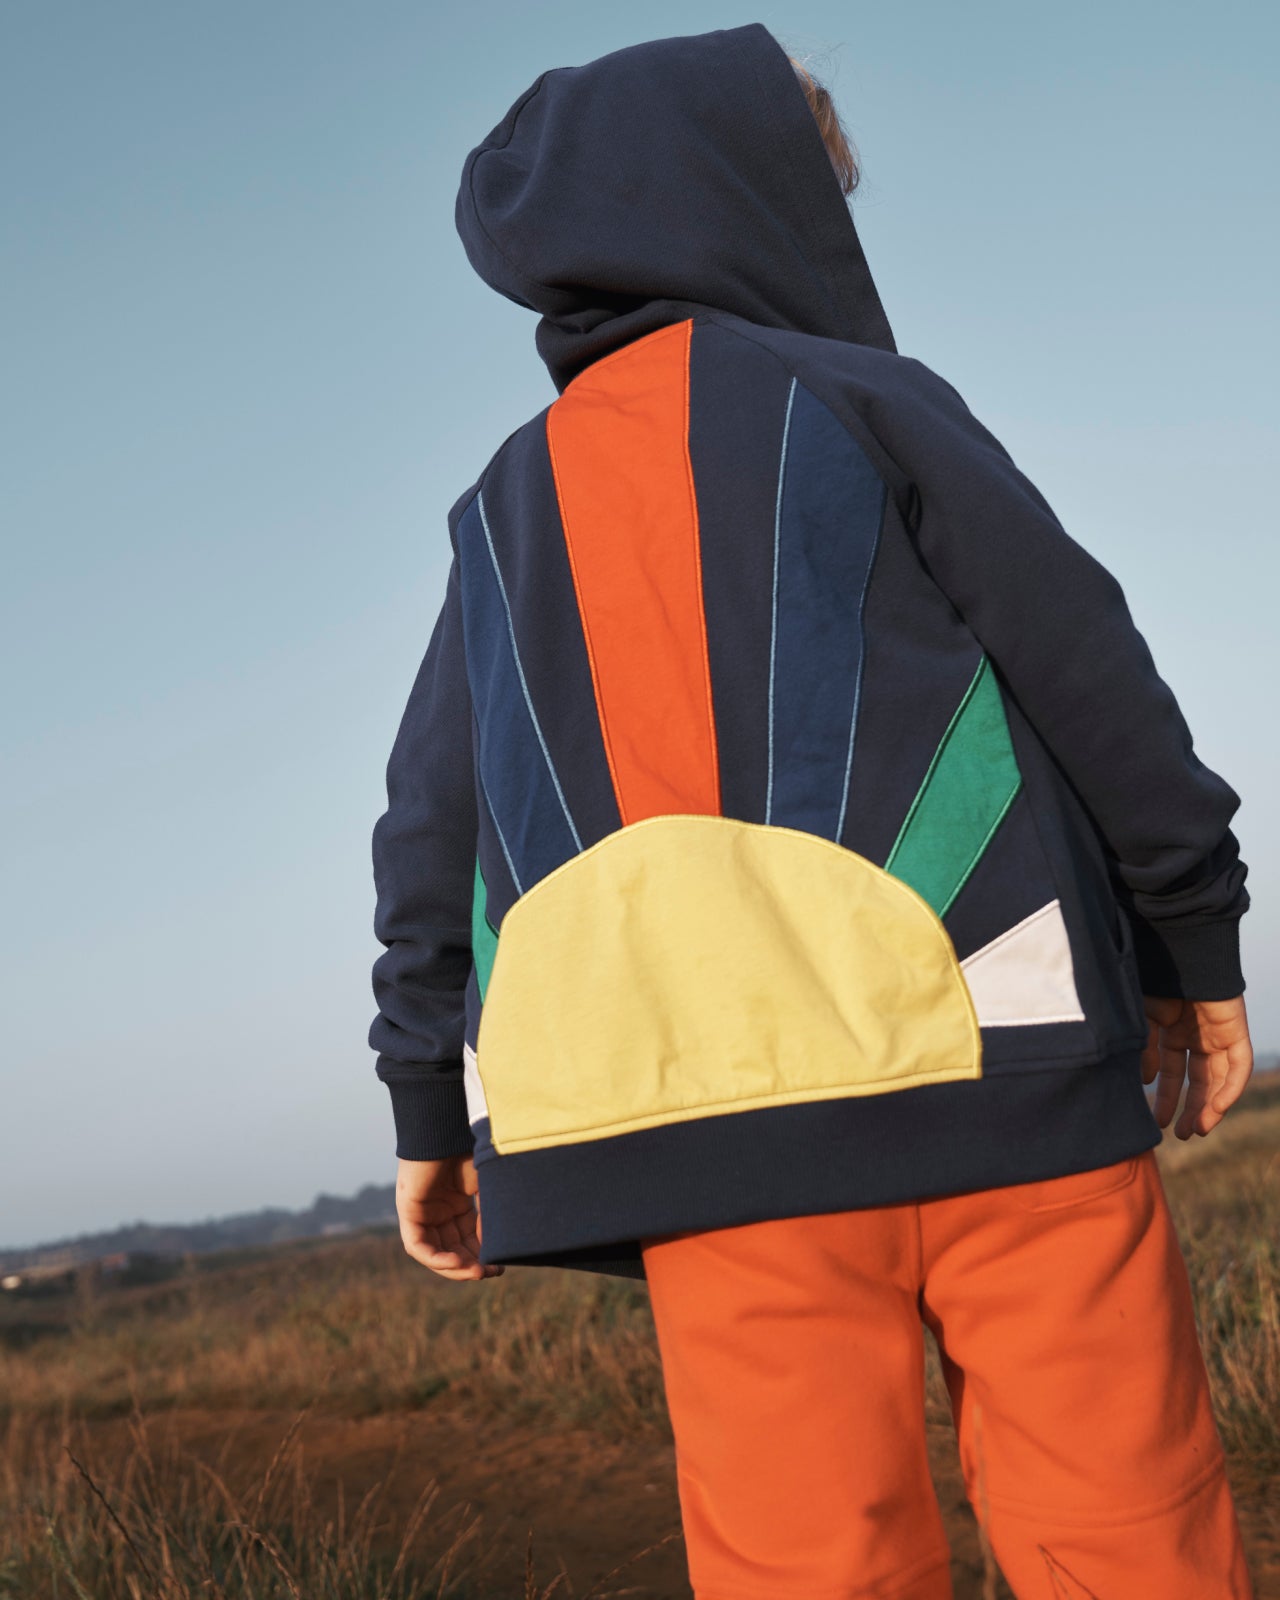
x=246, y=370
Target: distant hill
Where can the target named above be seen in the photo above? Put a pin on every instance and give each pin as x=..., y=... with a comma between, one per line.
x=328, y=1213
x=375, y=1203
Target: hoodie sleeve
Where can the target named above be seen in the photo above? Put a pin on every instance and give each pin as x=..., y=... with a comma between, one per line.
x=424, y=852
x=1057, y=625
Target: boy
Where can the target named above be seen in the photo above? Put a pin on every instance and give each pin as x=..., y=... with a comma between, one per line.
x=784, y=830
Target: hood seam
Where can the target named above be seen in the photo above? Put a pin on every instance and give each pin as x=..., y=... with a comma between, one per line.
x=783, y=144
x=513, y=116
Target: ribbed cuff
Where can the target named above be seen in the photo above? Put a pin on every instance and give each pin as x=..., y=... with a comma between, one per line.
x=1199, y=961
x=430, y=1116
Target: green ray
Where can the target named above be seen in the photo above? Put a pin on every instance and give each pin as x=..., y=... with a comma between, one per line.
x=484, y=936
x=970, y=785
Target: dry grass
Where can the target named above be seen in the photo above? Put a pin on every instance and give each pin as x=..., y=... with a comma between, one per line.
x=1225, y=1200
x=156, y=1522
x=351, y=1323
x=165, y=1526
x=350, y=1326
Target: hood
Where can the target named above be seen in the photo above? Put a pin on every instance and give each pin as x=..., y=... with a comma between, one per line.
x=683, y=173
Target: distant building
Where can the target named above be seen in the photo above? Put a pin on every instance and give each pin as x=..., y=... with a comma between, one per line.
x=56, y=1274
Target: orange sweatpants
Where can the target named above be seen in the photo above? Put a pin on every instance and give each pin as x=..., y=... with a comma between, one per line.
x=793, y=1361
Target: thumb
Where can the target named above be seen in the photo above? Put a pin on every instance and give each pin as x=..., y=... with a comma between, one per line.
x=471, y=1186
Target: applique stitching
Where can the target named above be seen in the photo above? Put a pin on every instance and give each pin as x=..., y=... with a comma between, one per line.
x=524, y=686
x=862, y=658
x=697, y=568
x=777, y=549
x=605, y=734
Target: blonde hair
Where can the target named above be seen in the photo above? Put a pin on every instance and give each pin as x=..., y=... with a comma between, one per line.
x=843, y=156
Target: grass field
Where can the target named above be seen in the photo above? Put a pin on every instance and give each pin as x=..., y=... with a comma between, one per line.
x=329, y=1421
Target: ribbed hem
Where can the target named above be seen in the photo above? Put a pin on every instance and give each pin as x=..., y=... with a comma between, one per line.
x=588, y=1204
x=1195, y=961
x=430, y=1114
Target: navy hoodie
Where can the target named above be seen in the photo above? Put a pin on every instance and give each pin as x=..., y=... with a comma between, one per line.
x=787, y=815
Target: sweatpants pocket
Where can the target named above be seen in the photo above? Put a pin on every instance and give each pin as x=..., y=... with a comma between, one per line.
x=1074, y=1188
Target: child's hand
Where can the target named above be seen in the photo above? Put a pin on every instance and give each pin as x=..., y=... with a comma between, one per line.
x=1206, y=1041
x=439, y=1223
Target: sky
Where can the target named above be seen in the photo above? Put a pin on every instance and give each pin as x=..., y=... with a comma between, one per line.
x=246, y=369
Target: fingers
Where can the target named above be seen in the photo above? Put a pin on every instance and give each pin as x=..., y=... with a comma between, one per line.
x=1238, y=1070
x=1207, y=1043
x=455, y=1261
x=1162, y=1014
x=1171, y=1071
x=441, y=1263
x=471, y=1186
x=1216, y=1081
x=1205, y=1072
x=1151, y=1053
x=458, y=1233
x=449, y=1247
x=439, y=1213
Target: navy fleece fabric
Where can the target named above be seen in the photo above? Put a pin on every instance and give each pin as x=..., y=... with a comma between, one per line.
x=685, y=171
x=685, y=178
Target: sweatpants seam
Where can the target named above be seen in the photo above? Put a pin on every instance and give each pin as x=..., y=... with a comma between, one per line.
x=921, y=1567
x=919, y=1250
x=877, y=1591
x=1024, y=1512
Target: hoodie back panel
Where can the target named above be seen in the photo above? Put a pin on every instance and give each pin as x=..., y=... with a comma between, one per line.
x=787, y=815
x=755, y=836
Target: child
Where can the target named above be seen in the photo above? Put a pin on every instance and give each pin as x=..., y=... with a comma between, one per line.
x=784, y=830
